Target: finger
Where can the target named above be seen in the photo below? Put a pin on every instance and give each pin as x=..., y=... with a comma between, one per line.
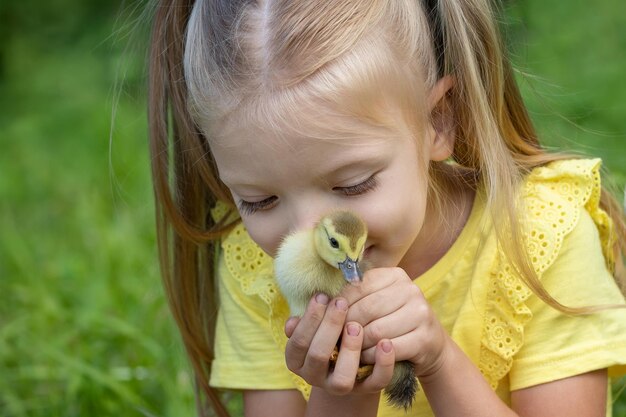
x=324, y=341
x=384, y=301
x=373, y=280
x=405, y=347
x=390, y=326
x=376, y=305
x=342, y=379
x=290, y=325
x=383, y=368
x=300, y=340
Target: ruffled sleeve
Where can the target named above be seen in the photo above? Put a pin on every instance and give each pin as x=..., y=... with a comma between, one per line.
x=250, y=341
x=554, y=196
x=568, y=238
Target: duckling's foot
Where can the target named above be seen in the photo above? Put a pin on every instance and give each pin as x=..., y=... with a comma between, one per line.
x=333, y=359
x=363, y=372
x=334, y=355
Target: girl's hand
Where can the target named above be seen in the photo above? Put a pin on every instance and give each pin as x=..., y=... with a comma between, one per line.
x=390, y=306
x=312, y=339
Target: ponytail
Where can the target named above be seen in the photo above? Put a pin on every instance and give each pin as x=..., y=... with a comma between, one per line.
x=184, y=192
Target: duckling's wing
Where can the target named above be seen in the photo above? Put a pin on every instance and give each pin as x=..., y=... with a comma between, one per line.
x=301, y=273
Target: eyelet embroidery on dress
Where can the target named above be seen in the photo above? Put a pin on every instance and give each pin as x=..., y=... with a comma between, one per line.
x=503, y=327
x=553, y=196
x=254, y=270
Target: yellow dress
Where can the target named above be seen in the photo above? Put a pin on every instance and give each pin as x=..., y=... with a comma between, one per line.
x=514, y=338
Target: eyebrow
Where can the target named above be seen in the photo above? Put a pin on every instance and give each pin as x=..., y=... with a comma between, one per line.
x=353, y=157
x=360, y=163
x=369, y=162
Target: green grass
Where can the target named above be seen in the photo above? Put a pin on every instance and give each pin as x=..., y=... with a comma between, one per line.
x=572, y=53
x=84, y=328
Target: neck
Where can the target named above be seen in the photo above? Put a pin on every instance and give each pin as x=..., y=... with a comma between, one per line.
x=442, y=227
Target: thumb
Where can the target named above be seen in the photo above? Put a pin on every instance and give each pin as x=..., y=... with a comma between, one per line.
x=290, y=325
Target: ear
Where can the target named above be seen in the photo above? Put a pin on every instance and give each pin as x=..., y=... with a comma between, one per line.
x=441, y=131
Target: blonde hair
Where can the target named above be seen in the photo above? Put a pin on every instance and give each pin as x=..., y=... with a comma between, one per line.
x=259, y=59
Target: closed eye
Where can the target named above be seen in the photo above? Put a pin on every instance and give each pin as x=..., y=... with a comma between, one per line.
x=360, y=188
x=251, y=207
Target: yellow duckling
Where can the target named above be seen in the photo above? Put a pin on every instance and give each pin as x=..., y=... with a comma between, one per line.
x=324, y=260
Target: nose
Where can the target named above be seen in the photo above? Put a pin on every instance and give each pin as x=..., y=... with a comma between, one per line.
x=306, y=213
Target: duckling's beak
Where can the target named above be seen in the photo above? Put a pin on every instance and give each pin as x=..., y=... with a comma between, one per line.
x=351, y=271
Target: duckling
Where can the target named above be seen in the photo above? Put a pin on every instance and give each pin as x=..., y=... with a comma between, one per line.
x=324, y=260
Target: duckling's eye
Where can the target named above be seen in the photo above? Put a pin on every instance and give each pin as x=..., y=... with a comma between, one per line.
x=334, y=243
x=251, y=207
x=360, y=188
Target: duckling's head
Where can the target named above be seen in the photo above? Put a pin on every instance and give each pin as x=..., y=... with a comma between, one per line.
x=340, y=241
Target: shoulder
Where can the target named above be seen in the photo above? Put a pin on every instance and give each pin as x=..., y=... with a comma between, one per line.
x=558, y=199
x=245, y=271
x=567, y=237
x=241, y=262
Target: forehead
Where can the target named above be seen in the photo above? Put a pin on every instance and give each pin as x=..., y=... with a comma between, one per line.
x=297, y=132
x=328, y=105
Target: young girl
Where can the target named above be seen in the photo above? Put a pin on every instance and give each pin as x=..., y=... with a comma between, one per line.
x=494, y=260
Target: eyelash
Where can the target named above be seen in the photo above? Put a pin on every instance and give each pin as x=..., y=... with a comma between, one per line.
x=360, y=188
x=248, y=208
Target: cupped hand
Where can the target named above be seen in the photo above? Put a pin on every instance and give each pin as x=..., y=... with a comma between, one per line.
x=312, y=339
x=389, y=305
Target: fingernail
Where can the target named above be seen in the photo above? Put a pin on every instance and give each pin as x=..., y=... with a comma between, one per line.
x=354, y=329
x=321, y=298
x=341, y=304
x=387, y=346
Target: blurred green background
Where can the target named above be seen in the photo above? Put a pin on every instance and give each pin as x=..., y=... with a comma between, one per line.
x=84, y=329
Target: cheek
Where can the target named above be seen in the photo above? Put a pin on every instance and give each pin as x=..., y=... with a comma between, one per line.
x=396, y=222
x=398, y=225
x=266, y=234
